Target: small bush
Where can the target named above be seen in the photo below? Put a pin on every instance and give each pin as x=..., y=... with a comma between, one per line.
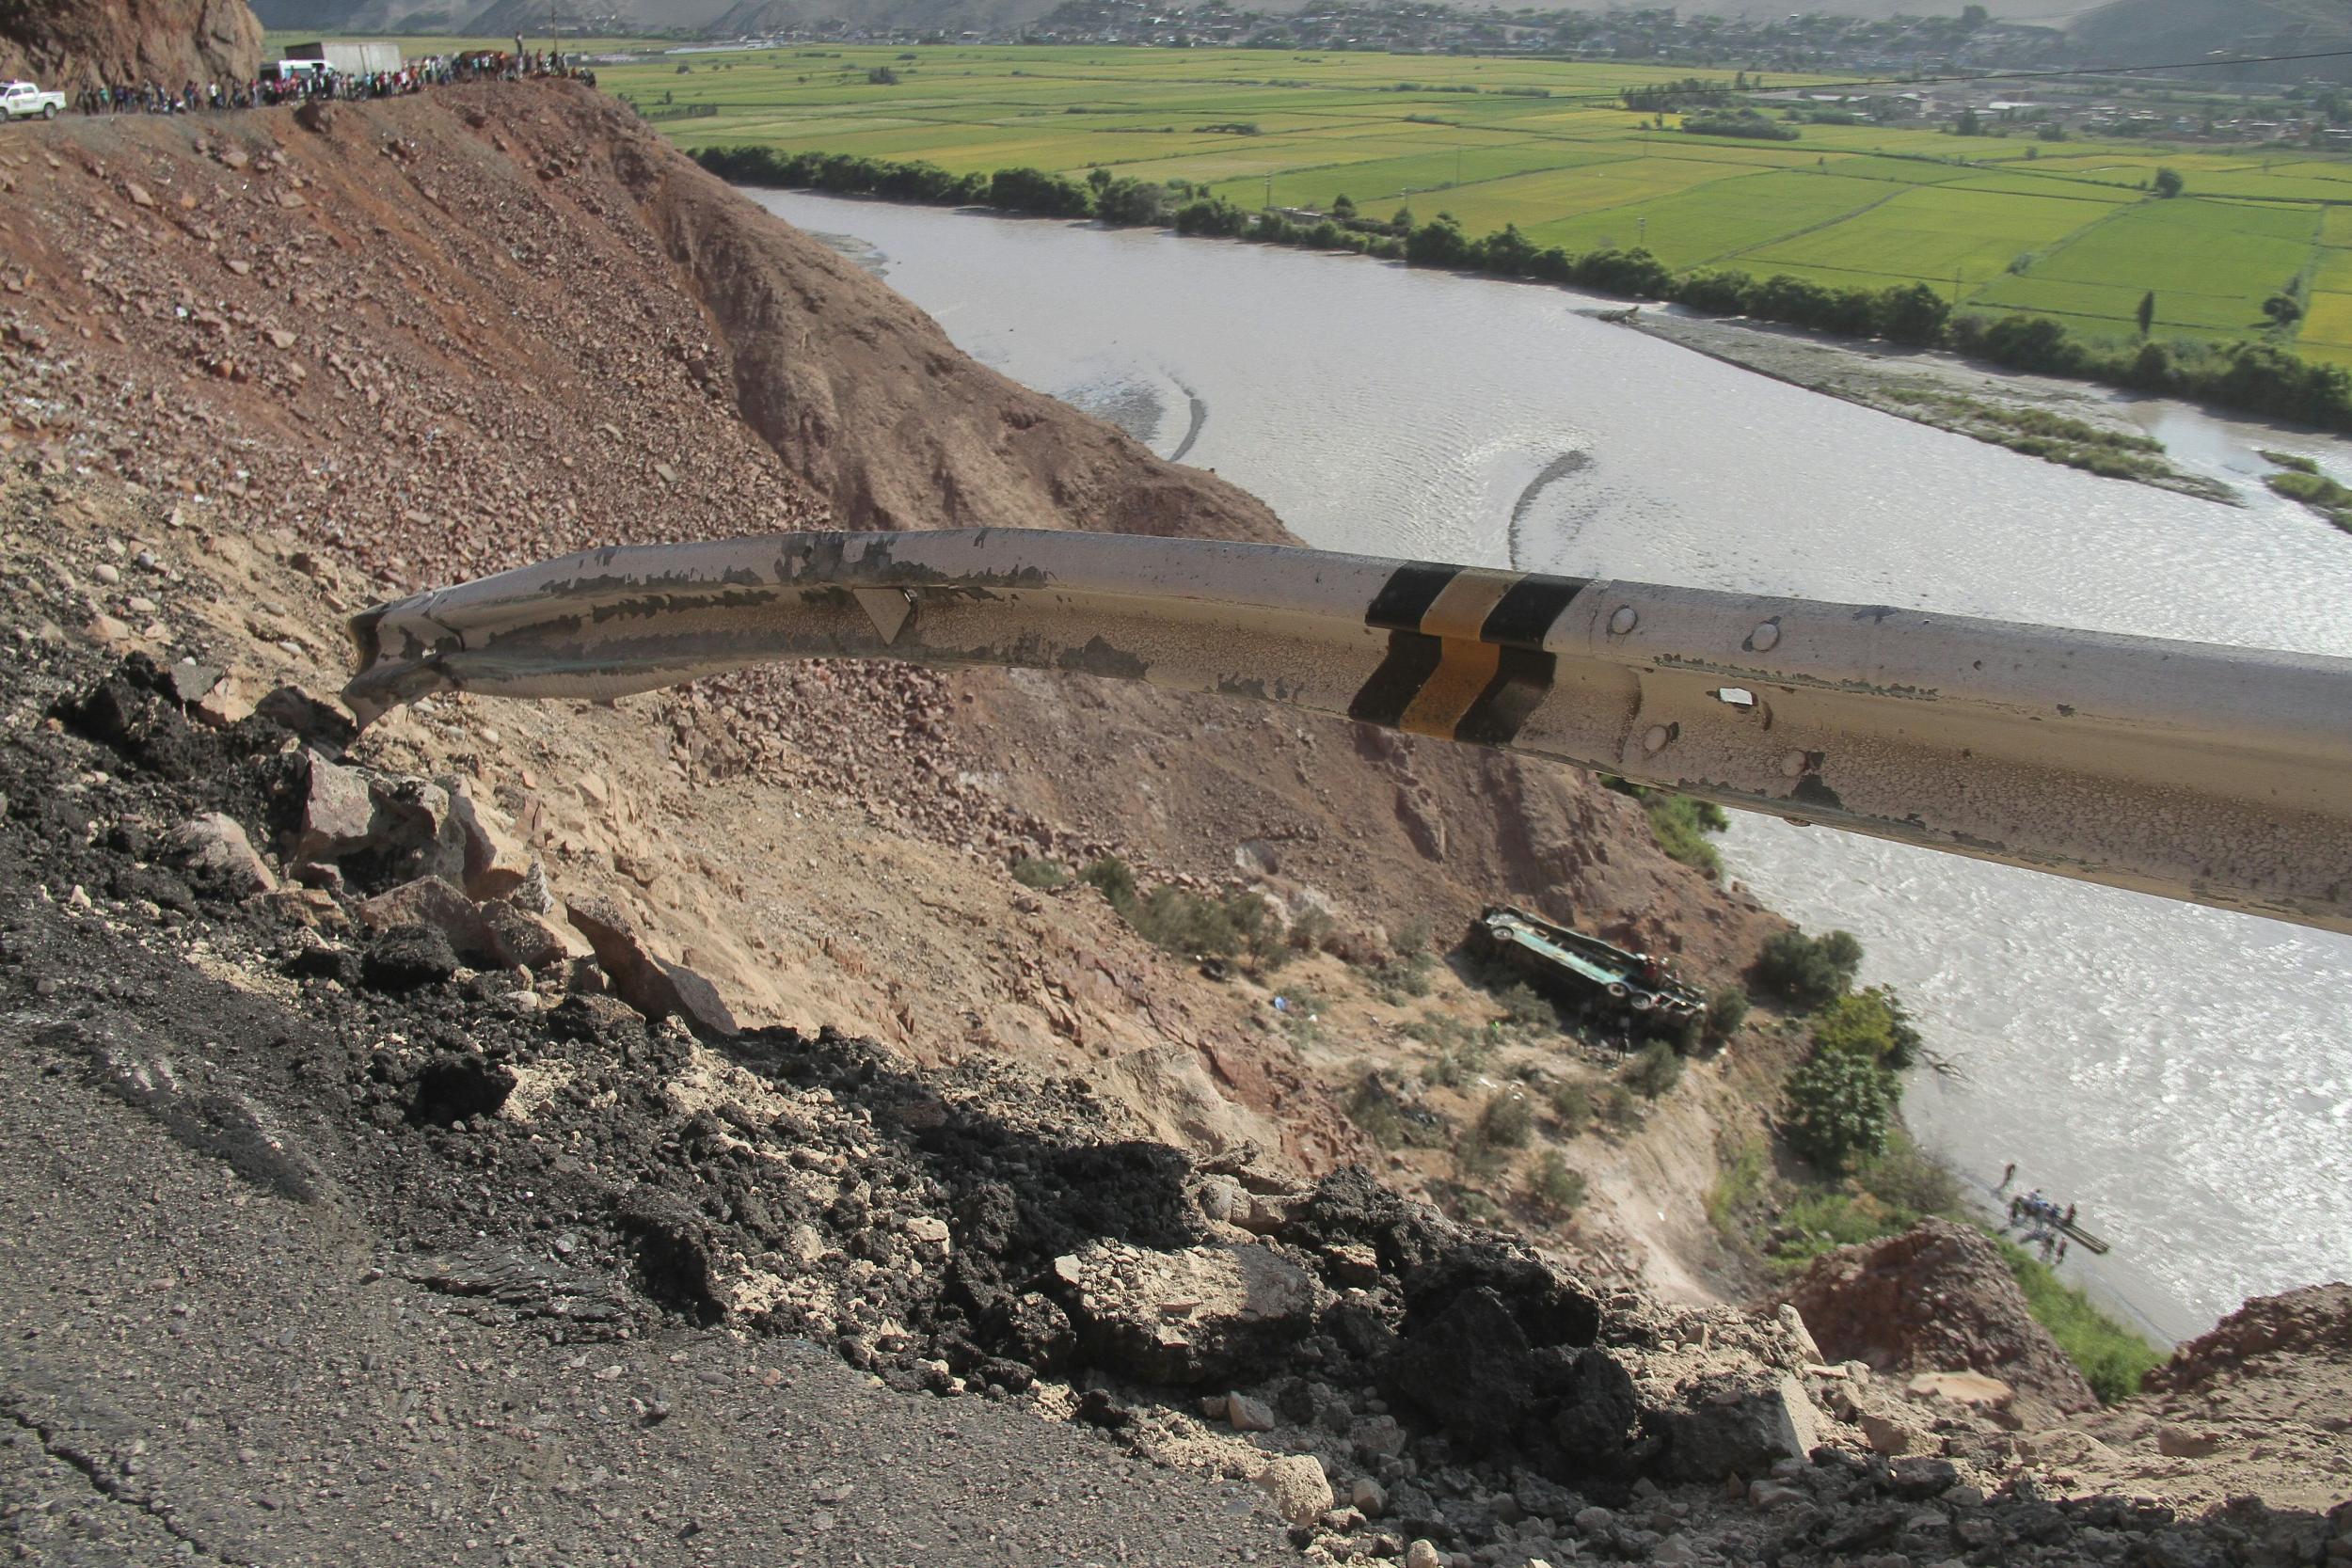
x=1726, y=1011
x=1372, y=1108
x=1043, y=875
x=1553, y=1188
x=1476, y=1208
x=1507, y=1119
x=1870, y=1024
x=1446, y=1034
x=1310, y=931
x=1841, y=1107
x=1571, y=1107
x=1477, y=1157
x=1907, y=1177
x=1525, y=1008
x=1810, y=971
x=1398, y=982
x=1115, y=879
x=1413, y=940
x=1185, y=922
x=1738, y=1188
x=1618, y=1107
x=1823, y=1221
x=1680, y=824
x=1655, y=1071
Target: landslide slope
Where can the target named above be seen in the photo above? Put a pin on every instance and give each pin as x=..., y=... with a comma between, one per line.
x=416, y=341
x=446, y=335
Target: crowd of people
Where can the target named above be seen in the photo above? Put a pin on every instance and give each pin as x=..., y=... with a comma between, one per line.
x=297, y=81
x=2040, y=1220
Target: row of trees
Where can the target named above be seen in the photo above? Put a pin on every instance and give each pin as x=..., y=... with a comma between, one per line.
x=2256, y=377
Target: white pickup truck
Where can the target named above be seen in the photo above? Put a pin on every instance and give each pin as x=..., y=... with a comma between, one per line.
x=23, y=101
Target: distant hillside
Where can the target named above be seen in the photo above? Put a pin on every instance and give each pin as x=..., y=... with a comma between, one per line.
x=2162, y=30
x=2121, y=30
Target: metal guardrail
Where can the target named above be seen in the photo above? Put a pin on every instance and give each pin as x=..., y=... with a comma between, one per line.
x=2219, y=775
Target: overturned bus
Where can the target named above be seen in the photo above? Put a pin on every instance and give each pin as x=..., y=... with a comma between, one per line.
x=1571, y=966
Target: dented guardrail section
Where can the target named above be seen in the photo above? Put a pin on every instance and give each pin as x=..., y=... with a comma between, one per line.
x=2221, y=775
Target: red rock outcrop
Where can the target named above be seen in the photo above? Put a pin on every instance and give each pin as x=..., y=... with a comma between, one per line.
x=1936, y=1298
x=72, y=45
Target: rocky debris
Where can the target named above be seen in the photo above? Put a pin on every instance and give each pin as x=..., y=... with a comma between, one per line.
x=512, y=1284
x=337, y=812
x=1937, y=1299
x=2315, y=1321
x=556, y=1160
x=2260, y=1404
x=1973, y=1389
x=406, y=958
x=517, y=939
x=1249, y=1414
x=495, y=862
x=1726, y=1432
x=435, y=904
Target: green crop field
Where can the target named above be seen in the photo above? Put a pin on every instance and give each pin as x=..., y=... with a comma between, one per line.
x=2068, y=228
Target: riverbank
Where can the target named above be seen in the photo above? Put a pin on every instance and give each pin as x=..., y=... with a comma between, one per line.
x=2073, y=429
x=2249, y=374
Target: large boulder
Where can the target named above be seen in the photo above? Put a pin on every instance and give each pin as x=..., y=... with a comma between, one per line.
x=215, y=848
x=1497, y=1348
x=1221, y=1314
x=1720, y=1431
x=1937, y=1298
x=1468, y=1367
x=647, y=982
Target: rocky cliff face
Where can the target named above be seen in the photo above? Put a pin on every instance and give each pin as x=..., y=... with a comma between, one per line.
x=165, y=42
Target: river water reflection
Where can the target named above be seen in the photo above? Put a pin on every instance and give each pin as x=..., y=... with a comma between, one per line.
x=2183, y=1074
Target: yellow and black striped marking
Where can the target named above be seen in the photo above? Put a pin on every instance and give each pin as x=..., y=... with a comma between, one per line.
x=1466, y=658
